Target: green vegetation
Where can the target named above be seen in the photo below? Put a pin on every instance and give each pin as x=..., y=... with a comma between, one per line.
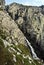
x=37, y=62
x=20, y=60
x=2, y=34
x=6, y=58
x=1, y=9
x=24, y=49
x=26, y=62
x=1, y=43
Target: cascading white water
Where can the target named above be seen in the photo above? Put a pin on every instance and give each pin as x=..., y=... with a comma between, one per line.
x=32, y=50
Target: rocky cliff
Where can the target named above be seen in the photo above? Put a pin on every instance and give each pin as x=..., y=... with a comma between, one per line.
x=18, y=24
x=30, y=20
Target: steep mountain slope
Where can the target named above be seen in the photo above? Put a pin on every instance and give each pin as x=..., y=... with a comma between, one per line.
x=30, y=20
x=13, y=46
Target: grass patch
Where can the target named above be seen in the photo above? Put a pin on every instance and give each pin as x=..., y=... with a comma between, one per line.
x=25, y=50
x=19, y=59
x=2, y=34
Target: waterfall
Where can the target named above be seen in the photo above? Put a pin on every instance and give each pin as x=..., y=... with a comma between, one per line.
x=32, y=50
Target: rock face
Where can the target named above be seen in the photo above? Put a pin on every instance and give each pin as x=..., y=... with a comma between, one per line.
x=42, y=9
x=2, y=4
x=11, y=28
x=18, y=25
x=30, y=20
x=13, y=46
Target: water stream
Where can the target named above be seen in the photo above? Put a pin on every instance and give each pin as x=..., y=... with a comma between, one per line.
x=32, y=50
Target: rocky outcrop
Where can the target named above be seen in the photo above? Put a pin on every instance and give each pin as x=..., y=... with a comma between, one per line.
x=21, y=35
x=42, y=7
x=13, y=44
x=2, y=4
x=8, y=25
x=30, y=20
